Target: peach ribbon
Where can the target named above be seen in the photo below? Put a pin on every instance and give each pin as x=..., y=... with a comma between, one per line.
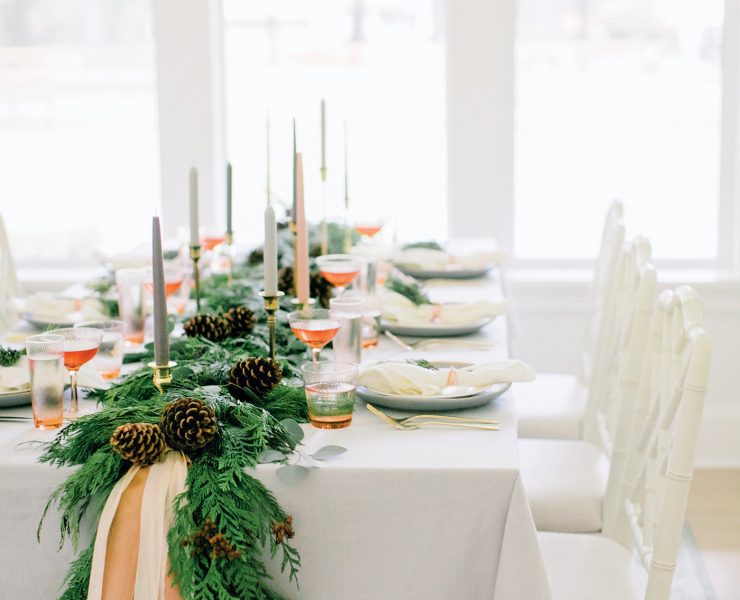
x=162, y=483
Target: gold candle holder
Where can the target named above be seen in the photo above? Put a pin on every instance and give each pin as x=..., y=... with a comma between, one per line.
x=272, y=303
x=230, y=253
x=162, y=374
x=302, y=305
x=195, y=257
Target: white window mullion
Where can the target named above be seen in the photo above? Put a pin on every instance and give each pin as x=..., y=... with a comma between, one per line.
x=188, y=37
x=480, y=116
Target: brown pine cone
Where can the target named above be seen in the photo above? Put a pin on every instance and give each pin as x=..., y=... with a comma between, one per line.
x=240, y=320
x=260, y=375
x=188, y=424
x=210, y=327
x=140, y=443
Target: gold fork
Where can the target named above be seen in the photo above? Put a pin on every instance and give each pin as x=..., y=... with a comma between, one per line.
x=408, y=423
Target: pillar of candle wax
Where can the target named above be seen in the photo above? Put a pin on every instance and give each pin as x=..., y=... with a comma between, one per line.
x=194, y=237
x=228, y=200
x=161, y=334
x=323, y=135
x=270, y=253
x=293, y=211
x=346, y=184
x=301, y=259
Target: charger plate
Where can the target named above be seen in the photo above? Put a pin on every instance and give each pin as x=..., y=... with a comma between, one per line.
x=432, y=403
x=8, y=399
x=450, y=273
x=433, y=330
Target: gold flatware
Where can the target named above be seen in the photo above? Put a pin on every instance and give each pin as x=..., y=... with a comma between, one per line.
x=409, y=423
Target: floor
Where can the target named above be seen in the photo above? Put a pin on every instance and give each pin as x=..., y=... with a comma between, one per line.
x=714, y=515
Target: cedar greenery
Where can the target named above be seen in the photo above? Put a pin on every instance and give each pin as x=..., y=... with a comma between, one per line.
x=8, y=356
x=407, y=287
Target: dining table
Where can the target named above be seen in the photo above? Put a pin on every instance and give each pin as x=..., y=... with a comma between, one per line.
x=432, y=513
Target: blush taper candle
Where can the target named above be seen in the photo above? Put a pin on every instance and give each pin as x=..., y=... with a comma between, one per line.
x=301, y=259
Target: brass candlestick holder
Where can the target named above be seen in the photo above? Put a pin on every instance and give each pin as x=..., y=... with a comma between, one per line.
x=324, y=224
x=162, y=374
x=272, y=303
x=195, y=257
x=230, y=253
x=298, y=305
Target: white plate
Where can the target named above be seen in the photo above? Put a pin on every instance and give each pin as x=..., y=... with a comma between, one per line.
x=435, y=329
x=8, y=399
x=432, y=403
x=45, y=323
x=450, y=273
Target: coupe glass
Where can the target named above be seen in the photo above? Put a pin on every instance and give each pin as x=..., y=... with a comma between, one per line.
x=315, y=327
x=209, y=242
x=109, y=358
x=80, y=345
x=339, y=269
x=369, y=227
x=330, y=393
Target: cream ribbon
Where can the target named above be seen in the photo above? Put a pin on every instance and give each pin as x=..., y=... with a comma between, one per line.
x=165, y=481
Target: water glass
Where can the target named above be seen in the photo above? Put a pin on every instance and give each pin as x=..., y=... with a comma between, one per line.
x=330, y=393
x=131, y=284
x=46, y=365
x=109, y=358
x=347, y=343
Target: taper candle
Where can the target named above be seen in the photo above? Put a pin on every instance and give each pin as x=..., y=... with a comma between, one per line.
x=301, y=259
x=270, y=261
x=295, y=149
x=194, y=237
x=267, y=137
x=229, y=231
x=346, y=177
x=161, y=334
x=323, y=136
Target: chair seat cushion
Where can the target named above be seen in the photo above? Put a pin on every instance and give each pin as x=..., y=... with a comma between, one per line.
x=551, y=406
x=565, y=481
x=590, y=567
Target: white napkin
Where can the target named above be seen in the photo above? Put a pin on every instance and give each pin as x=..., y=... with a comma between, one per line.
x=406, y=379
x=429, y=259
x=400, y=309
x=46, y=306
x=18, y=378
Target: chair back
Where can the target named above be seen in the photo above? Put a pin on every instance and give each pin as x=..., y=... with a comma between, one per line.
x=9, y=287
x=619, y=346
x=660, y=458
x=602, y=290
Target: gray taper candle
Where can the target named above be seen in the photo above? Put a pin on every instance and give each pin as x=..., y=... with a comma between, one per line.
x=229, y=231
x=161, y=335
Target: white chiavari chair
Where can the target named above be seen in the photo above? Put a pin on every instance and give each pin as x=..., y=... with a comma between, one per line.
x=568, y=482
x=553, y=405
x=9, y=287
x=636, y=557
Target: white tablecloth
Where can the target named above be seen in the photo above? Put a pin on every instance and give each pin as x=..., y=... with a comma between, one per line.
x=429, y=514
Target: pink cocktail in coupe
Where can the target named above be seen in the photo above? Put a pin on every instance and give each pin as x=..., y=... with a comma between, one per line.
x=315, y=328
x=80, y=345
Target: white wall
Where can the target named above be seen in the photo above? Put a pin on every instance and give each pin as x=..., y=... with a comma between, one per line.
x=548, y=326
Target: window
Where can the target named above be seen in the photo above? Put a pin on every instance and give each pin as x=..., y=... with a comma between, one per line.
x=617, y=100
x=79, y=161
x=380, y=66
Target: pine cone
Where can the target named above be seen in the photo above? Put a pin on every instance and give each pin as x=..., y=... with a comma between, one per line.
x=188, y=424
x=211, y=327
x=321, y=289
x=240, y=320
x=285, y=281
x=139, y=443
x=283, y=530
x=256, y=256
x=260, y=375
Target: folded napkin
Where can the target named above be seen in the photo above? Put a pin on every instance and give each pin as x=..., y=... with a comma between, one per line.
x=18, y=378
x=405, y=379
x=400, y=309
x=46, y=306
x=429, y=259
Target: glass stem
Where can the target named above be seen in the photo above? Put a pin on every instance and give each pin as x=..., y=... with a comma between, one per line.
x=315, y=352
x=73, y=405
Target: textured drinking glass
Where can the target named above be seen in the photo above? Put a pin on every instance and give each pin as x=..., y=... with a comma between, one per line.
x=46, y=365
x=330, y=393
x=109, y=358
x=315, y=327
x=347, y=343
x=339, y=269
x=371, y=312
x=131, y=306
x=80, y=345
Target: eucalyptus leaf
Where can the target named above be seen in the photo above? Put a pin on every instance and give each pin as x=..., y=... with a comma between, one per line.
x=329, y=451
x=290, y=474
x=293, y=428
x=270, y=456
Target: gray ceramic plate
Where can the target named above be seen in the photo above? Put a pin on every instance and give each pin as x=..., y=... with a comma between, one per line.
x=434, y=330
x=421, y=403
x=445, y=273
x=8, y=399
x=44, y=324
